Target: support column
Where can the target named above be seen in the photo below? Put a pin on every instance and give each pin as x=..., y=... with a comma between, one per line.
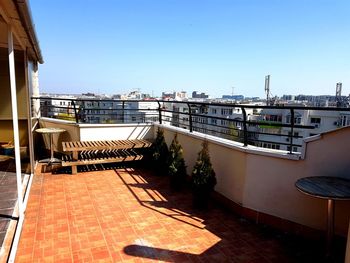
x=330, y=225
x=35, y=90
x=15, y=120
x=347, y=254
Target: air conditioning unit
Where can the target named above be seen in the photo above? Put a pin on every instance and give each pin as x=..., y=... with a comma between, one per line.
x=317, y=125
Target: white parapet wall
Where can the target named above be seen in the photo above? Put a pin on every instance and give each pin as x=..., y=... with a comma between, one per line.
x=264, y=180
x=93, y=132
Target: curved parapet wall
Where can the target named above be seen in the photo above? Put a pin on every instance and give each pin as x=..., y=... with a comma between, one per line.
x=262, y=181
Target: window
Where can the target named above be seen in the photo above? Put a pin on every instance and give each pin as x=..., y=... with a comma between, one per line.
x=203, y=110
x=213, y=121
x=344, y=120
x=295, y=149
x=271, y=146
x=224, y=123
x=296, y=134
x=275, y=118
x=297, y=119
x=226, y=111
x=315, y=120
x=213, y=111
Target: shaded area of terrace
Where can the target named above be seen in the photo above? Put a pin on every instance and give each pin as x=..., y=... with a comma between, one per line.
x=8, y=201
x=131, y=215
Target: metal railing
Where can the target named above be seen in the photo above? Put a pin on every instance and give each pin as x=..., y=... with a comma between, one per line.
x=248, y=124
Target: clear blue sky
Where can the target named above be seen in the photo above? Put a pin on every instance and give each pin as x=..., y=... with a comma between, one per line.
x=115, y=46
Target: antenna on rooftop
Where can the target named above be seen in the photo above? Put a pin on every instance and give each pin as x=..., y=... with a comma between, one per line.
x=338, y=97
x=267, y=89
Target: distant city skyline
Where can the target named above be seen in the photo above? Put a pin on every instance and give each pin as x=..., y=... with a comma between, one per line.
x=115, y=47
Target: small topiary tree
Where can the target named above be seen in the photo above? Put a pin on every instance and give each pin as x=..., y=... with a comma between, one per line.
x=176, y=165
x=203, y=179
x=160, y=153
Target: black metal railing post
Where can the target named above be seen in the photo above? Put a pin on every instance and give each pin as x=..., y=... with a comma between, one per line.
x=245, y=129
x=75, y=112
x=159, y=112
x=123, y=109
x=190, y=117
x=291, y=130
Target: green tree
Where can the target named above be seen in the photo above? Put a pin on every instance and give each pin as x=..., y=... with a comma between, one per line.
x=203, y=179
x=176, y=165
x=160, y=153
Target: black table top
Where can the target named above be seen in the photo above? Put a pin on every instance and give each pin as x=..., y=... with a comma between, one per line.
x=325, y=187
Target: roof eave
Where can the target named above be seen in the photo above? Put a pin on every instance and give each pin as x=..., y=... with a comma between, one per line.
x=25, y=15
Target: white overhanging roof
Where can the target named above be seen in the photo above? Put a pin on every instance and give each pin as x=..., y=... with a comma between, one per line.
x=17, y=14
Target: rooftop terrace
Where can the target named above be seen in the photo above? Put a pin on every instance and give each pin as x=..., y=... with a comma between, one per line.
x=131, y=215
x=126, y=214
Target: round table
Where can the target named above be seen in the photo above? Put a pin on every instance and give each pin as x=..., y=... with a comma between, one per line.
x=50, y=131
x=326, y=187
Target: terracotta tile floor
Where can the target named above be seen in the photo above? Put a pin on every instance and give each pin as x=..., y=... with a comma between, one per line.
x=131, y=216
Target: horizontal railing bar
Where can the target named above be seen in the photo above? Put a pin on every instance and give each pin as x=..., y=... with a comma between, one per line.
x=207, y=103
x=210, y=122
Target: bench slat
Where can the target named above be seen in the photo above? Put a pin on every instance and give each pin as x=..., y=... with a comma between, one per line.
x=99, y=145
x=98, y=152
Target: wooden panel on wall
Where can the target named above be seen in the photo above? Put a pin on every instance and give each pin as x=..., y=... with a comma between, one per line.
x=5, y=91
x=6, y=131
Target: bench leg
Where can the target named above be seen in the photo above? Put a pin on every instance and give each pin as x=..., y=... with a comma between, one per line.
x=74, y=169
x=75, y=158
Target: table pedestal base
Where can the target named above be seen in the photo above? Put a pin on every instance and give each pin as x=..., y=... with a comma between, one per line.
x=50, y=161
x=330, y=225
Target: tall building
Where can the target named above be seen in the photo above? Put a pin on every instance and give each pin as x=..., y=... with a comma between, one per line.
x=202, y=95
x=233, y=97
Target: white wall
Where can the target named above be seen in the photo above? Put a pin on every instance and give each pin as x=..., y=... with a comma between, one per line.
x=93, y=132
x=264, y=181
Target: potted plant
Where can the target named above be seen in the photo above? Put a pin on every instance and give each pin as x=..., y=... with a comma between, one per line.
x=176, y=165
x=160, y=153
x=203, y=178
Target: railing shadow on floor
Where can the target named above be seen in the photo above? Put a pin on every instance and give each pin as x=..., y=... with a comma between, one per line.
x=238, y=239
x=235, y=234
x=158, y=203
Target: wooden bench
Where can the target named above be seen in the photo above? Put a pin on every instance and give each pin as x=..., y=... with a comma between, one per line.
x=98, y=152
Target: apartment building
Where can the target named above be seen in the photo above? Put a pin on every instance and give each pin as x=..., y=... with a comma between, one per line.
x=316, y=122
